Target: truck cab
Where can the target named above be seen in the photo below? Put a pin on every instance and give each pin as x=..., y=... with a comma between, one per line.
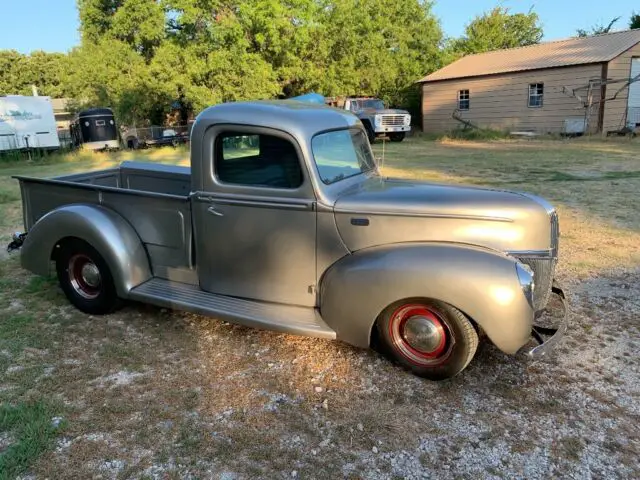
x=284, y=222
x=378, y=120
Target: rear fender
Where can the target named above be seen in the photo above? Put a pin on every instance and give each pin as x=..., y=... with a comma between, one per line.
x=106, y=231
x=481, y=283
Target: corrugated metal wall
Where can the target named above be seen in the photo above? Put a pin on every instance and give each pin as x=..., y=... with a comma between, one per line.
x=615, y=113
x=501, y=101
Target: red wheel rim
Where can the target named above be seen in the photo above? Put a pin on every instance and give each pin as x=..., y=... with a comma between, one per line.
x=84, y=276
x=420, y=335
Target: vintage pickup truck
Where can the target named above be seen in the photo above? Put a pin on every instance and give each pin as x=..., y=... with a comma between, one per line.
x=284, y=222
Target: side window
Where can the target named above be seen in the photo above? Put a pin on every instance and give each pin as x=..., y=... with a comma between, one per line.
x=256, y=160
x=536, y=94
x=463, y=99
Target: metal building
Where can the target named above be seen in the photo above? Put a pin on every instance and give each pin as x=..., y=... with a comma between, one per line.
x=573, y=86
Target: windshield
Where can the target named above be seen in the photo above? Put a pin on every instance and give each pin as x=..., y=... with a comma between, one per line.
x=375, y=104
x=341, y=154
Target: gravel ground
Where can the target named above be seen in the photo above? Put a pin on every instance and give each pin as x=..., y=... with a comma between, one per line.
x=150, y=393
x=308, y=408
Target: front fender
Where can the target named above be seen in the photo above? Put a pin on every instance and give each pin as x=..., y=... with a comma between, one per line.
x=106, y=231
x=481, y=283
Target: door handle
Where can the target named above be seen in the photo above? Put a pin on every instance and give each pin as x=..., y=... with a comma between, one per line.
x=212, y=210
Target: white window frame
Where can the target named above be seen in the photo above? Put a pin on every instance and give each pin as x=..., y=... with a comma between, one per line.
x=536, y=91
x=461, y=94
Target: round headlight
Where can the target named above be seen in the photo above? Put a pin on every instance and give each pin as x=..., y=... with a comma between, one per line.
x=525, y=277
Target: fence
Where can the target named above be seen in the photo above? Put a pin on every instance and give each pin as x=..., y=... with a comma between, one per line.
x=134, y=137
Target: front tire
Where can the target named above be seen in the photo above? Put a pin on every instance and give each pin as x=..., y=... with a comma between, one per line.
x=85, y=278
x=397, y=137
x=432, y=339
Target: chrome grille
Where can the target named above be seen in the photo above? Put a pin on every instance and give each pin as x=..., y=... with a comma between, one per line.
x=543, y=272
x=392, y=120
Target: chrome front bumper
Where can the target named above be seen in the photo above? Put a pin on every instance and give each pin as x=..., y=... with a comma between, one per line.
x=553, y=335
x=393, y=128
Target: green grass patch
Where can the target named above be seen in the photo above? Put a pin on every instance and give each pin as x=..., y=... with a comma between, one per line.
x=31, y=428
x=45, y=287
x=22, y=330
x=476, y=134
x=9, y=195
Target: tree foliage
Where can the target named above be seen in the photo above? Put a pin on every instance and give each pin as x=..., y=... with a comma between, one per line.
x=598, y=29
x=634, y=22
x=499, y=29
x=194, y=53
x=47, y=71
x=145, y=58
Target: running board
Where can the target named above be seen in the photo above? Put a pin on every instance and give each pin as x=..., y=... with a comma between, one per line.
x=269, y=316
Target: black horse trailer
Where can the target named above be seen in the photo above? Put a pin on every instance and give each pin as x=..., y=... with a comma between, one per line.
x=95, y=129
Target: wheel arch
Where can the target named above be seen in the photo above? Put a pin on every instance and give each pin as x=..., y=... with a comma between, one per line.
x=102, y=228
x=482, y=284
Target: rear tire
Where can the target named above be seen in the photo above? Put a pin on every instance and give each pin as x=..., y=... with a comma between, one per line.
x=432, y=339
x=85, y=278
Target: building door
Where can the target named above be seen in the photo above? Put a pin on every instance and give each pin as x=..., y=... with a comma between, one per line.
x=633, y=107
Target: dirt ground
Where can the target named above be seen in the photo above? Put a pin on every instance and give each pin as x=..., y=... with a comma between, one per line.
x=150, y=393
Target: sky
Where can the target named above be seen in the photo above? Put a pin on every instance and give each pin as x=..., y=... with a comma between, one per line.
x=52, y=25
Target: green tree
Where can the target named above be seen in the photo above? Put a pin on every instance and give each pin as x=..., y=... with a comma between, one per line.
x=635, y=21
x=194, y=53
x=96, y=17
x=597, y=29
x=499, y=29
x=109, y=73
x=49, y=72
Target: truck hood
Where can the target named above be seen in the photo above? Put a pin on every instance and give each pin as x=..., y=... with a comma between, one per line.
x=381, y=211
x=386, y=111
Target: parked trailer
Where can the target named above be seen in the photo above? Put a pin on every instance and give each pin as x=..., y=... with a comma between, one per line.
x=95, y=129
x=27, y=123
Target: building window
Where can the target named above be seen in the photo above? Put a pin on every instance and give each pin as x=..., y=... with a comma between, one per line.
x=463, y=100
x=536, y=93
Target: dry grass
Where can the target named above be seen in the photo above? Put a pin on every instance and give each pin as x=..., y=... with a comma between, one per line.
x=149, y=393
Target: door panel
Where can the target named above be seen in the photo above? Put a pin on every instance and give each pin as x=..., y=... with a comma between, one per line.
x=257, y=248
x=255, y=219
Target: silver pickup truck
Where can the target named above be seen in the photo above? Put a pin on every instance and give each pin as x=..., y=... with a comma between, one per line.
x=284, y=222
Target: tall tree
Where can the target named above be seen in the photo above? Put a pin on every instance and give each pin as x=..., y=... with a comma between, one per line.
x=139, y=23
x=635, y=21
x=499, y=29
x=49, y=72
x=198, y=52
x=597, y=29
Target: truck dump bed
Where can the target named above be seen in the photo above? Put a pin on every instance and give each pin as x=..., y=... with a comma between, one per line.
x=153, y=198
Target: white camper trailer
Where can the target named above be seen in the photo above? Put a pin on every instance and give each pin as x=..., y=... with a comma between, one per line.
x=27, y=123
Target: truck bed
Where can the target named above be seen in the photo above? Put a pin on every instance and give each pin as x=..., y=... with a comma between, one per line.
x=153, y=198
